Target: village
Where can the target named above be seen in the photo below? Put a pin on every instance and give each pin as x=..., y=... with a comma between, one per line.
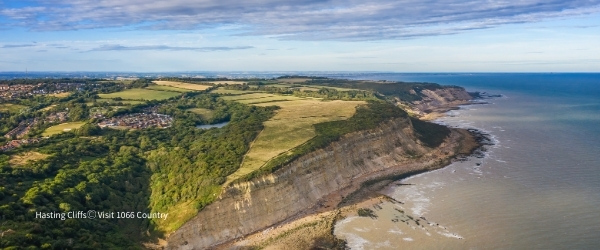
x=134, y=121
x=23, y=128
x=138, y=121
x=147, y=119
x=13, y=92
x=17, y=143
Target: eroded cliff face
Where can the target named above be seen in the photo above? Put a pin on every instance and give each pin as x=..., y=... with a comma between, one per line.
x=440, y=100
x=390, y=149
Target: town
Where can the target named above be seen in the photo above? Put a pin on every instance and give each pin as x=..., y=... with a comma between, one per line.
x=16, y=91
x=138, y=121
x=17, y=143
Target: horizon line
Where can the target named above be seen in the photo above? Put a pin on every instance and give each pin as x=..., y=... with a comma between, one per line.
x=319, y=71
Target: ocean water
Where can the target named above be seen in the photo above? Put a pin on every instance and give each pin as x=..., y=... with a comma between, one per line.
x=538, y=187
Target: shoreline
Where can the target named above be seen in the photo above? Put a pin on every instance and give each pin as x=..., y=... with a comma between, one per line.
x=386, y=208
x=317, y=225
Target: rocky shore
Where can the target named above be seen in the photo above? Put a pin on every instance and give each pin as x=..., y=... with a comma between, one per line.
x=297, y=206
x=314, y=229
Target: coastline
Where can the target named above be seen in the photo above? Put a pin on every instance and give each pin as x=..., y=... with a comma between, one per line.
x=406, y=229
x=322, y=181
x=315, y=227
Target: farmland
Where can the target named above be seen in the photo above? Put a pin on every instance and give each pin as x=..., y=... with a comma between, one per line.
x=230, y=91
x=229, y=82
x=140, y=94
x=291, y=126
x=167, y=88
x=182, y=85
x=249, y=96
x=254, y=98
x=275, y=98
x=63, y=127
x=293, y=80
x=112, y=102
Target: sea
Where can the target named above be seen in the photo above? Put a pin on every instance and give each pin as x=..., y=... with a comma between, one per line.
x=537, y=187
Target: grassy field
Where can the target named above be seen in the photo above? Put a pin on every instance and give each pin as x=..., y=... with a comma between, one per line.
x=22, y=158
x=140, y=94
x=293, y=80
x=250, y=96
x=61, y=95
x=11, y=107
x=341, y=89
x=306, y=87
x=205, y=113
x=63, y=127
x=281, y=85
x=111, y=101
x=230, y=91
x=126, y=82
x=317, y=88
x=183, y=85
x=167, y=88
x=229, y=82
x=275, y=98
x=49, y=107
x=309, y=89
x=291, y=126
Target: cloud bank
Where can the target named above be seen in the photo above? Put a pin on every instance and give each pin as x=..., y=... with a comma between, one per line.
x=117, y=47
x=349, y=20
x=10, y=46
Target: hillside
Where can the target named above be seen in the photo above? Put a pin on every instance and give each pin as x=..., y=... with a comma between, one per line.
x=138, y=146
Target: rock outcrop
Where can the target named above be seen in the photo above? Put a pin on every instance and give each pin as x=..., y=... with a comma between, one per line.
x=440, y=100
x=389, y=150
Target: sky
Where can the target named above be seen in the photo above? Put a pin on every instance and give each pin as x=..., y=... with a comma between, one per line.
x=300, y=35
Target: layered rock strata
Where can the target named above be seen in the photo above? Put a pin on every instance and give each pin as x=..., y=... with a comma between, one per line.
x=301, y=186
x=440, y=100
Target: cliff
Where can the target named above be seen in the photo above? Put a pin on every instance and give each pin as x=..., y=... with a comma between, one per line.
x=299, y=187
x=438, y=100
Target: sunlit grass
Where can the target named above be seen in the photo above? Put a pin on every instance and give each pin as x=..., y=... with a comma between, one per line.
x=11, y=107
x=140, y=94
x=63, y=127
x=23, y=158
x=291, y=126
x=183, y=85
x=231, y=91
x=167, y=88
x=205, y=113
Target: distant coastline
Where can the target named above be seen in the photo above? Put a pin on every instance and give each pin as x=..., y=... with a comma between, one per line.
x=356, y=75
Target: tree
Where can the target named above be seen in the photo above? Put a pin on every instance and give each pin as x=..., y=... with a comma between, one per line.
x=89, y=129
x=78, y=112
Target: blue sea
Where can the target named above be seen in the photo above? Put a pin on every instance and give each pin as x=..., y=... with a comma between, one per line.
x=538, y=187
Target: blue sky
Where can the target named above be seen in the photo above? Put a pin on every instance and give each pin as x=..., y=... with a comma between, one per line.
x=301, y=35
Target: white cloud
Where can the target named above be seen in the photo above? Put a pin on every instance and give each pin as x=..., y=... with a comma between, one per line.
x=297, y=20
x=116, y=47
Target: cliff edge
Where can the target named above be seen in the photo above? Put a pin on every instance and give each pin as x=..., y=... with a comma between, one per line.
x=295, y=190
x=436, y=101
